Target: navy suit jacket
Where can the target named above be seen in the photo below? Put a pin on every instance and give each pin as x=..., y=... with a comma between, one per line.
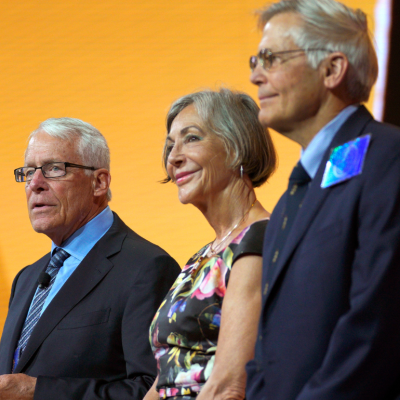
x=92, y=340
x=330, y=321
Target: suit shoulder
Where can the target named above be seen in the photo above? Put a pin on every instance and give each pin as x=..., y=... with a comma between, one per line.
x=383, y=134
x=144, y=261
x=139, y=254
x=28, y=273
x=135, y=241
x=384, y=145
x=145, y=244
x=37, y=265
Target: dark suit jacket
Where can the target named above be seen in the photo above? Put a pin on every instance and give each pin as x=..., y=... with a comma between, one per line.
x=330, y=321
x=92, y=340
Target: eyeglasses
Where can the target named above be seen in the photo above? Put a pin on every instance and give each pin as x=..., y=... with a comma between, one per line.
x=266, y=57
x=50, y=170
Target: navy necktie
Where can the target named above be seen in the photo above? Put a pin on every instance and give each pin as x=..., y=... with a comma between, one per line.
x=35, y=311
x=298, y=185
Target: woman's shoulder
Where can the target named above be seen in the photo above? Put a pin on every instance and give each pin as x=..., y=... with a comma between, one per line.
x=250, y=240
x=252, y=231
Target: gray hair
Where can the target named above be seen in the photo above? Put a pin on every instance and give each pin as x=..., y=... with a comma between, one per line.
x=92, y=145
x=233, y=118
x=333, y=26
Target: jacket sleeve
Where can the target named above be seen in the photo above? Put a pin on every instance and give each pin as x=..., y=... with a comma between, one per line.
x=362, y=360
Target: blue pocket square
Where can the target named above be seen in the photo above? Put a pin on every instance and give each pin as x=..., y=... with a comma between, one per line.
x=346, y=161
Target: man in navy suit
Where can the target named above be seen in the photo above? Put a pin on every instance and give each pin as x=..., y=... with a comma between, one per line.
x=91, y=340
x=330, y=322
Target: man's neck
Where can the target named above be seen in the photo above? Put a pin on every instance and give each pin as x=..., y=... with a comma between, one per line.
x=58, y=238
x=306, y=130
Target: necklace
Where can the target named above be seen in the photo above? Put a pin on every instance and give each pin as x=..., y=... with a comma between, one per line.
x=214, y=250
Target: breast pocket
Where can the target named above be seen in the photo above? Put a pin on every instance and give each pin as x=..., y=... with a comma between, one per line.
x=87, y=319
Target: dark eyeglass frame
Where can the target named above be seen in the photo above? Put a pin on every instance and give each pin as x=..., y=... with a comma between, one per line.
x=19, y=175
x=266, y=57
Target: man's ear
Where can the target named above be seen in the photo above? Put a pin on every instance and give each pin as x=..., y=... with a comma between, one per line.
x=335, y=68
x=101, y=181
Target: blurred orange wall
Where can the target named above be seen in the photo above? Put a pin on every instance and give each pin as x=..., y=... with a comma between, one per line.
x=118, y=65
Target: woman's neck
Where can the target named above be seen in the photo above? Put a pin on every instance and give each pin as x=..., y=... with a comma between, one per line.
x=233, y=210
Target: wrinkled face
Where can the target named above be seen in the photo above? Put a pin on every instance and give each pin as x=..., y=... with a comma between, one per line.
x=197, y=160
x=290, y=92
x=59, y=206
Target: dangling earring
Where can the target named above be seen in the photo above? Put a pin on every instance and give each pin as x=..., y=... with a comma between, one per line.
x=241, y=172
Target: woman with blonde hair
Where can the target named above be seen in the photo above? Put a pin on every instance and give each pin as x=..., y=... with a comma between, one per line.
x=216, y=153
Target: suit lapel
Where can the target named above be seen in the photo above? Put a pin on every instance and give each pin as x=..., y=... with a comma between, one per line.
x=315, y=196
x=89, y=273
x=21, y=302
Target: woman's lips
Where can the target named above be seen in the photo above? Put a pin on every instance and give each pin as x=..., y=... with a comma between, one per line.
x=182, y=177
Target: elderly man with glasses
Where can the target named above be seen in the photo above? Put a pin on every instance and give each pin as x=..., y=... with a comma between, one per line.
x=77, y=326
x=330, y=321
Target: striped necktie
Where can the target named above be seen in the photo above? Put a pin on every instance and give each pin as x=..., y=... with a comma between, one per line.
x=35, y=311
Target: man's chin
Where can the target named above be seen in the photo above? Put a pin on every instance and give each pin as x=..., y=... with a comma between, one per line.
x=40, y=229
x=265, y=119
x=275, y=123
x=41, y=225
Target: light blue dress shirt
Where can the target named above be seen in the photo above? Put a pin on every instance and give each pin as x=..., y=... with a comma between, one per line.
x=311, y=157
x=78, y=246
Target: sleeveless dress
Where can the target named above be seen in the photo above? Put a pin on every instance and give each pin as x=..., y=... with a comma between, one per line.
x=184, y=331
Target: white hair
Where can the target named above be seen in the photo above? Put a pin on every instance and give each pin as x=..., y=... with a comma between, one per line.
x=331, y=25
x=92, y=145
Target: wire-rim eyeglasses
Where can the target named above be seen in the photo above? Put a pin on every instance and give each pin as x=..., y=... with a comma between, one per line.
x=266, y=57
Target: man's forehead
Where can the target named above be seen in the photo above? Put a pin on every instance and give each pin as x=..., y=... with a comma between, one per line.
x=43, y=139
x=276, y=32
x=288, y=18
x=50, y=148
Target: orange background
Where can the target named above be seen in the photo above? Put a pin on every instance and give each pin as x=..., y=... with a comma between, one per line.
x=119, y=64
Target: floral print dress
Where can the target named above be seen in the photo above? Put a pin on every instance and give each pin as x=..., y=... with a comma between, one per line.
x=184, y=331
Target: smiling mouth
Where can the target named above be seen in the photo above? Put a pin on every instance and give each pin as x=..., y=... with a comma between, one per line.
x=183, y=177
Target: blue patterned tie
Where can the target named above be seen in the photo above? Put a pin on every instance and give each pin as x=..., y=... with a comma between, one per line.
x=35, y=311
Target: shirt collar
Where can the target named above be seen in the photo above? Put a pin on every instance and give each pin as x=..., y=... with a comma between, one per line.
x=311, y=157
x=82, y=241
